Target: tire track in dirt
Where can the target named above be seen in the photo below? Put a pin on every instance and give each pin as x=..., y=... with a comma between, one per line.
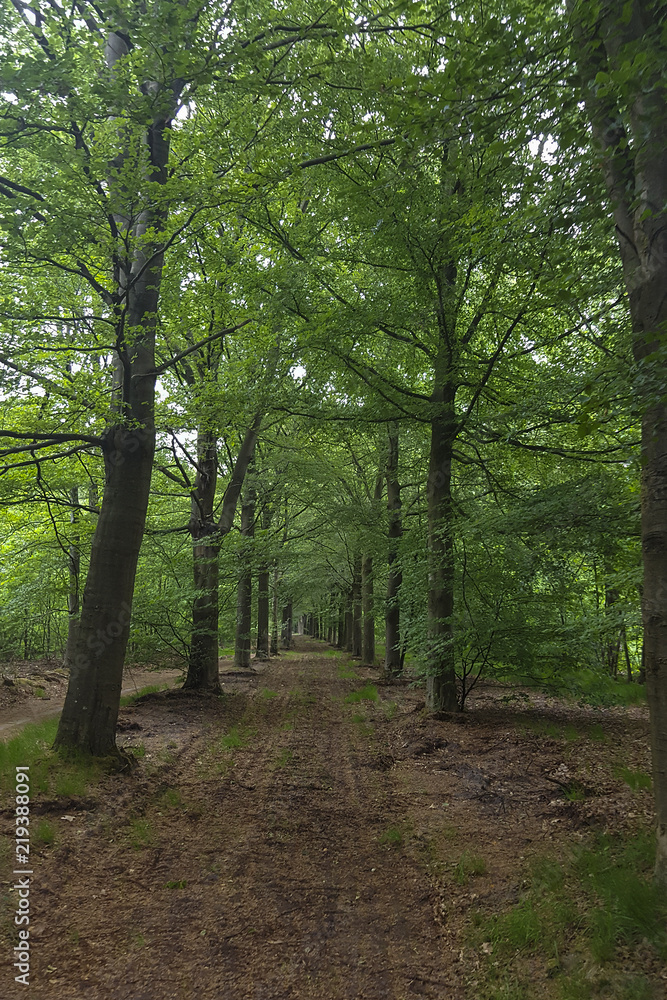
x=263, y=881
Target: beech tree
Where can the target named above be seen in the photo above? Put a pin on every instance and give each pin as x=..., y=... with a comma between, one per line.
x=621, y=52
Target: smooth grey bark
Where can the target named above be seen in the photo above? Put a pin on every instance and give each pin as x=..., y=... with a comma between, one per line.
x=262, y=649
x=367, y=596
x=630, y=131
x=368, y=642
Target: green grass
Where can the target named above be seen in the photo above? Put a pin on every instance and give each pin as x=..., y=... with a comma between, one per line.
x=172, y=799
x=597, y=906
x=238, y=736
x=284, y=757
x=468, y=865
x=367, y=693
x=44, y=833
x=141, y=833
x=393, y=837
x=637, y=780
x=268, y=694
x=52, y=772
x=180, y=884
x=345, y=672
x=129, y=699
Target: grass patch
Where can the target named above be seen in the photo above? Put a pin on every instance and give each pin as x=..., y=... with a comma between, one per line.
x=141, y=834
x=238, y=736
x=268, y=694
x=597, y=906
x=44, y=833
x=180, y=884
x=284, y=757
x=52, y=772
x=393, y=837
x=367, y=693
x=173, y=799
x=345, y=672
x=637, y=780
x=469, y=865
x=390, y=709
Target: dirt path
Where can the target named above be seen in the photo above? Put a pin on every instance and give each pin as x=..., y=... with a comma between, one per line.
x=311, y=856
x=14, y=717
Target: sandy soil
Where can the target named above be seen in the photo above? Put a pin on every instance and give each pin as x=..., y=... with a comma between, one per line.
x=316, y=860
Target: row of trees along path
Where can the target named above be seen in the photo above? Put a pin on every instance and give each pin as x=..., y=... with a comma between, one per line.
x=387, y=200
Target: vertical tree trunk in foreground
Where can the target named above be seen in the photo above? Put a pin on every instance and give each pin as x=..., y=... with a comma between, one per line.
x=74, y=568
x=629, y=121
x=274, y=615
x=90, y=713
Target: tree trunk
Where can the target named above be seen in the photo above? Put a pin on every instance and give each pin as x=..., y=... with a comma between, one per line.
x=203, y=667
x=392, y=659
x=74, y=567
x=441, y=678
x=243, y=639
x=368, y=647
x=349, y=630
x=356, y=607
x=286, y=631
x=274, y=628
x=203, y=673
x=262, y=651
x=632, y=139
x=88, y=720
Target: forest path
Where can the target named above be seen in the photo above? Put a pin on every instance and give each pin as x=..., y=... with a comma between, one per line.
x=16, y=716
x=283, y=843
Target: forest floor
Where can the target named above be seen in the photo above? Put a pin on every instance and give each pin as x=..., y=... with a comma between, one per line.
x=298, y=839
